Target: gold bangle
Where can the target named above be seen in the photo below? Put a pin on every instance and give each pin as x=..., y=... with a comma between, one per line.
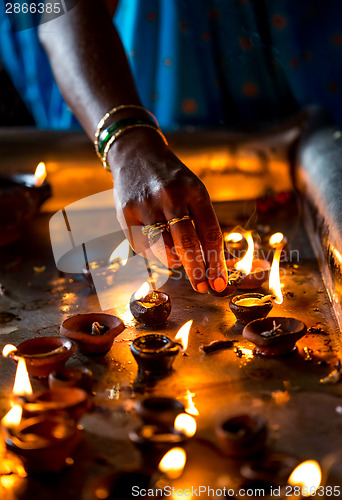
x=111, y=112
x=120, y=132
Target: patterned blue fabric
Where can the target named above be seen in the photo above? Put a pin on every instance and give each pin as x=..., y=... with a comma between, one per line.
x=237, y=63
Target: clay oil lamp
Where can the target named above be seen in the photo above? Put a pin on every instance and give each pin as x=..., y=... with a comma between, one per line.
x=307, y=476
x=74, y=376
x=173, y=462
x=94, y=333
x=273, y=468
x=150, y=308
x=42, y=354
x=21, y=196
x=159, y=411
x=155, y=353
x=107, y=267
x=44, y=443
x=274, y=336
x=242, y=435
x=250, y=273
x=154, y=441
x=250, y=306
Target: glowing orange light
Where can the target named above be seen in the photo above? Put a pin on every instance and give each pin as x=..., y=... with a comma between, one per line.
x=40, y=174
x=245, y=264
x=186, y=424
x=120, y=253
x=274, y=280
x=22, y=384
x=276, y=239
x=183, y=334
x=142, y=292
x=308, y=476
x=173, y=463
x=13, y=418
x=232, y=237
x=189, y=405
x=8, y=349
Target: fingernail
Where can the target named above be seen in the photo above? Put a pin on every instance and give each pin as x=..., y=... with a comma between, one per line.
x=202, y=287
x=219, y=284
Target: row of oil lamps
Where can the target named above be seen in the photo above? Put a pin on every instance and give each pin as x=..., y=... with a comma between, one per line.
x=42, y=428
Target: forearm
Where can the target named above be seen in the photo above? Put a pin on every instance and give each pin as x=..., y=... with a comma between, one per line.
x=89, y=62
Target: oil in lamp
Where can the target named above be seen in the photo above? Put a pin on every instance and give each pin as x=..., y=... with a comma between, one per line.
x=250, y=306
x=155, y=353
x=150, y=308
x=21, y=196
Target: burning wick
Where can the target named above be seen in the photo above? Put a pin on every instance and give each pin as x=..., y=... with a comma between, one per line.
x=245, y=264
x=150, y=308
x=173, y=463
x=233, y=237
x=186, y=424
x=274, y=280
x=40, y=174
x=183, y=335
x=308, y=476
x=277, y=239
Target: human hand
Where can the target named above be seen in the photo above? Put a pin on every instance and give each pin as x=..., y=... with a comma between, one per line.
x=152, y=185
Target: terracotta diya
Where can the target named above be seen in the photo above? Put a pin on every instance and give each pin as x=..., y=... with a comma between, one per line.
x=242, y=435
x=159, y=410
x=274, y=336
x=250, y=306
x=155, y=354
x=150, y=308
x=94, y=333
x=43, y=354
x=74, y=376
x=43, y=443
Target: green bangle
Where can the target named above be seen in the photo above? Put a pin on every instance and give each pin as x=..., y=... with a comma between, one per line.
x=125, y=122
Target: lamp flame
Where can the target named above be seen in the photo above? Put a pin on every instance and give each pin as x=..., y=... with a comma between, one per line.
x=183, y=335
x=245, y=264
x=22, y=384
x=13, y=418
x=8, y=349
x=276, y=239
x=190, y=408
x=173, y=463
x=274, y=280
x=120, y=253
x=142, y=292
x=308, y=475
x=186, y=424
x=232, y=237
x=40, y=174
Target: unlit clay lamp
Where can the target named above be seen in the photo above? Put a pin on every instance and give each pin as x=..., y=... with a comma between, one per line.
x=73, y=376
x=259, y=273
x=276, y=467
x=93, y=333
x=154, y=354
x=150, y=308
x=68, y=400
x=43, y=443
x=43, y=354
x=274, y=336
x=159, y=411
x=250, y=306
x=242, y=435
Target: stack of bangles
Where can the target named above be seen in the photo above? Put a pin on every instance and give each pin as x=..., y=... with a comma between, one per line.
x=105, y=138
x=152, y=231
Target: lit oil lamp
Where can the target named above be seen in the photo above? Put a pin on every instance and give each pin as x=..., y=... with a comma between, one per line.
x=74, y=376
x=21, y=196
x=150, y=308
x=275, y=468
x=308, y=477
x=252, y=272
x=250, y=306
x=173, y=462
x=242, y=435
x=234, y=242
x=155, y=353
x=93, y=333
x=276, y=240
x=42, y=354
x=159, y=411
x=108, y=267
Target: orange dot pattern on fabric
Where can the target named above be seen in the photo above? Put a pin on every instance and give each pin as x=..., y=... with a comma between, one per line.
x=168, y=62
x=250, y=89
x=279, y=21
x=245, y=43
x=189, y=106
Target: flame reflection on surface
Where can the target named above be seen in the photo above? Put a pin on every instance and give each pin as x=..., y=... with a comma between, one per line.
x=190, y=408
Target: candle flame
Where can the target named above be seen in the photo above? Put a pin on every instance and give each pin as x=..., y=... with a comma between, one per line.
x=120, y=252
x=13, y=418
x=183, y=335
x=245, y=264
x=190, y=407
x=308, y=476
x=186, y=424
x=40, y=174
x=8, y=349
x=173, y=463
x=143, y=291
x=22, y=384
x=232, y=237
x=276, y=239
x=274, y=280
